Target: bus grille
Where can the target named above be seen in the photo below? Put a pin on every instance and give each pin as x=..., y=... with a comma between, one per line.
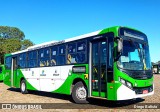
x=139, y=90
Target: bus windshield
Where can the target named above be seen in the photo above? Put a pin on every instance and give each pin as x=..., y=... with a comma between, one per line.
x=135, y=56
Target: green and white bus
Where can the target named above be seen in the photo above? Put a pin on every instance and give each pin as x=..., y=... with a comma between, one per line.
x=113, y=64
x=1, y=72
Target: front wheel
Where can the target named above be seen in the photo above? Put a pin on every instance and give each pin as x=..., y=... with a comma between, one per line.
x=79, y=93
x=23, y=87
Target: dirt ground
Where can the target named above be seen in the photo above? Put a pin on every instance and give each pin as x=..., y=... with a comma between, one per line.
x=64, y=103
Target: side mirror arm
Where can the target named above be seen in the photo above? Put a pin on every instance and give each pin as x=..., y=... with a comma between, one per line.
x=119, y=47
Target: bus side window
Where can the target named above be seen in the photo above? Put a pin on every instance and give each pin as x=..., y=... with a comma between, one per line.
x=47, y=56
x=61, y=55
x=40, y=57
x=32, y=59
x=81, y=52
x=22, y=60
x=54, y=51
x=8, y=61
x=44, y=57
x=71, y=56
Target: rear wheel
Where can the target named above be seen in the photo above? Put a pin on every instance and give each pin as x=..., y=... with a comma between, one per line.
x=79, y=93
x=23, y=87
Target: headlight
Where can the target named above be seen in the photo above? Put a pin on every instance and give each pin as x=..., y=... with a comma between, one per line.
x=126, y=83
x=122, y=81
x=129, y=84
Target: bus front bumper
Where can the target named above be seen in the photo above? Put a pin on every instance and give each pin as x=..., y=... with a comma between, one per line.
x=125, y=93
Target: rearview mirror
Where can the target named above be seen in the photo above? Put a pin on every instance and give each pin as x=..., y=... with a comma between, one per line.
x=120, y=45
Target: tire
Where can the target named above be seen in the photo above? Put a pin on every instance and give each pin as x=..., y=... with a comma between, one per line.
x=79, y=93
x=23, y=87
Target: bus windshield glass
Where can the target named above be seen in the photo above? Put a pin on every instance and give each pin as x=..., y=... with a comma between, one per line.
x=135, y=56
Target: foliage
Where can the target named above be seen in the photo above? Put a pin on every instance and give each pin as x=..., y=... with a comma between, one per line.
x=12, y=40
x=25, y=44
x=11, y=32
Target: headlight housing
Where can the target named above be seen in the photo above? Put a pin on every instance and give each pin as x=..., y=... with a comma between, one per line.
x=122, y=81
x=126, y=83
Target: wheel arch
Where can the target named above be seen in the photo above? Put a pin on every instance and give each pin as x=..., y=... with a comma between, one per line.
x=78, y=80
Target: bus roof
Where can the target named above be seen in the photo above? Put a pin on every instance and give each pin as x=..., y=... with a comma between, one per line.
x=70, y=39
x=56, y=42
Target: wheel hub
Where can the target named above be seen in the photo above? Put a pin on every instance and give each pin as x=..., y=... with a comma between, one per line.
x=23, y=86
x=81, y=93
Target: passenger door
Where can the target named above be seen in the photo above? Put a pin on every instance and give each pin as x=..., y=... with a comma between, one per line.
x=14, y=72
x=98, y=68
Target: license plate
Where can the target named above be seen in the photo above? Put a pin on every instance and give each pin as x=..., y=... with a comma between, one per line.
x=145, y=91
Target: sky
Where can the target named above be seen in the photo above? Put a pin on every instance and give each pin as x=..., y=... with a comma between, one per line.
x=48, y=20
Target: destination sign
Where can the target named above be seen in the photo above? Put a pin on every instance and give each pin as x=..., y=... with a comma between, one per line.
x=133, y=34
x=129, y=34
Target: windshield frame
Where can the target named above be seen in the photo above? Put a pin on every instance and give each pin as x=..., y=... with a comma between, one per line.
x=134, y=40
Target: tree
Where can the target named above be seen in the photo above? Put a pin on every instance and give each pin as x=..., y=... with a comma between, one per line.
x=11, y=40
x=25, y=44
x=11, y=45
x=11, y=32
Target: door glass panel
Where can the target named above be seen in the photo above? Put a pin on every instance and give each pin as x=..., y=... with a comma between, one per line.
x=95, y=68
x=103, y=58
x=99, y=60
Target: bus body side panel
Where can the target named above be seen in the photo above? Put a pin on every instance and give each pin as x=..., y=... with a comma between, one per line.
x=50, y=79
x=62, y=85
x=7, y=77
x=67, y=85
x=19, y=76
x=31, y=75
